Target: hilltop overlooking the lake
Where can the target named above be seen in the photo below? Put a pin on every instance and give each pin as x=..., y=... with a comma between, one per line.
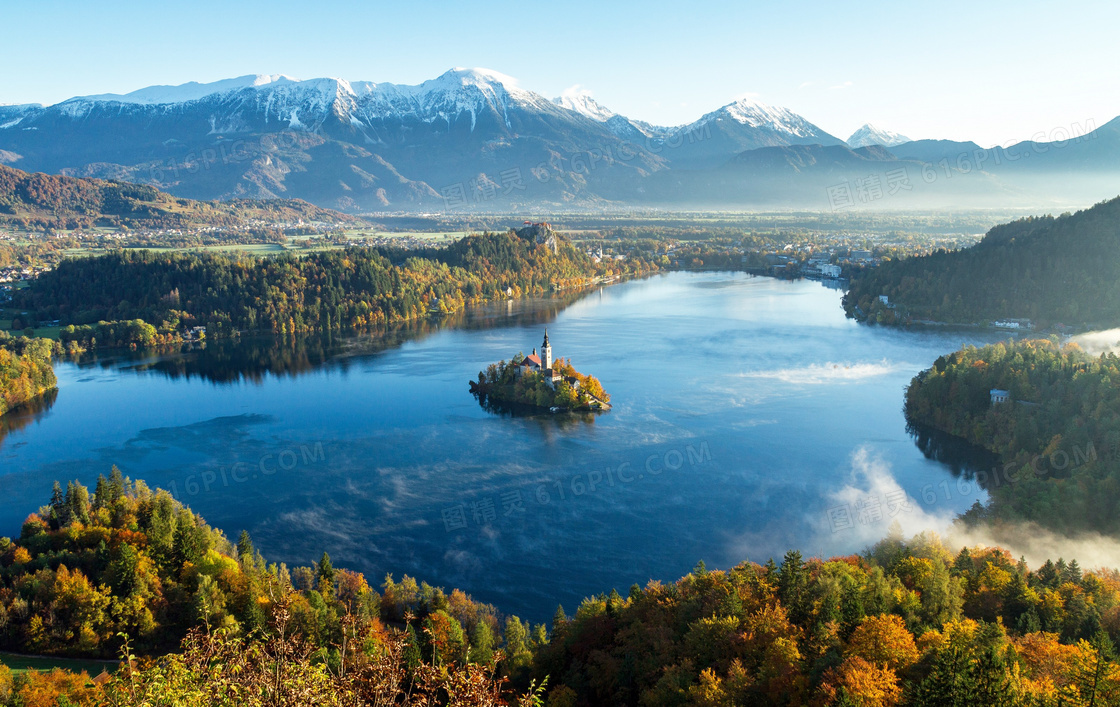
x=1048, y=270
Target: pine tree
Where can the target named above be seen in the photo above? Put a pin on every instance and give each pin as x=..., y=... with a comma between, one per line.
x=325, y=571
x=412, y=656
x=117, y=485
x=101, y=492
x=989, y=681
x=947, y=684
x=77, y=503
x=57, y=507
x=482, y=643
x=770, y=570
x=244, y=545
x=1072, y=573
x=1095, y=673
x=793, y=584
x=1028, y=622
x=1048, y=575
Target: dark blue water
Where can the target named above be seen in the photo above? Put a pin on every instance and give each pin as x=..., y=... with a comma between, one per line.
x=750, y=417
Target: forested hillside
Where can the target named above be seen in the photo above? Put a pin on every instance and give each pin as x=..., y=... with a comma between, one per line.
x=1050, y=270
x=352, y=288
x=90, y=571
x=1058, y=434
x=44, y=200
x=25, y=370
x=907, y=623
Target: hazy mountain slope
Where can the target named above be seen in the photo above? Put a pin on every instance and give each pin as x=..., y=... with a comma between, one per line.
x=359, y=145
x=475, y=139
x=739, y=126
x=49, y=199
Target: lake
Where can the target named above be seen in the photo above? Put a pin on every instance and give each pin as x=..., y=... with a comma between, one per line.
x=750, y=416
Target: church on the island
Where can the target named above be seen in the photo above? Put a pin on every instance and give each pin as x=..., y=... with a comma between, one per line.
x=542, y=363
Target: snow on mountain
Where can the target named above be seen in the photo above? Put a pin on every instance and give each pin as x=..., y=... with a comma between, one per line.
x=451, y=94
x=305, y=104
x=579, y=100
x=233, y=105
x=871, y=135
x=754, y=114
x=12, y=113
x=192, y=91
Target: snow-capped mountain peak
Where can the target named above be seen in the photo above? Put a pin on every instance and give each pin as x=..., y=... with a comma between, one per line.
x=191, y=91
x=305, y=104
x=872, y=135
x=458, y=78
x=579, y=100
x=748, y=111
x=479, y=77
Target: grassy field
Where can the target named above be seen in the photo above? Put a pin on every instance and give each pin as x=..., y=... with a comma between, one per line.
x=6, y=316
x=251, y=248
x=47, y=332
x=19, y=664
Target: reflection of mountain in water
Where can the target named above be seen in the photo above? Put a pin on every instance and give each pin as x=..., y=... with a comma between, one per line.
x=962, y=457
x=31, y=411
x=252, y=358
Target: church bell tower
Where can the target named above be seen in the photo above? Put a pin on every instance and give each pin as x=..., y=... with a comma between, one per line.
x=546, y=352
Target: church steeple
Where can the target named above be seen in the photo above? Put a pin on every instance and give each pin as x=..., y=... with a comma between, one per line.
x=546, y=352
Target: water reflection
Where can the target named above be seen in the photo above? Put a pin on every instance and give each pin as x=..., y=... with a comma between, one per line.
x=780, y=392
x=960, y=456
x=254, y=358
x=545, y=419
x=24, y=415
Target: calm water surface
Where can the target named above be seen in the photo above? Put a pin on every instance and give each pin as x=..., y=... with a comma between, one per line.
x=750, y=417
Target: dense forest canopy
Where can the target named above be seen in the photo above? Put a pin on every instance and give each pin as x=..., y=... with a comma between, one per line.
x=25, y=370
x=1058, y=434
x=906, y=623
x=322, y=291
x=1063, y=270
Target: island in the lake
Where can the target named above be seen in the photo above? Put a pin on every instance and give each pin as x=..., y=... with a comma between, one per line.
x=537, y=380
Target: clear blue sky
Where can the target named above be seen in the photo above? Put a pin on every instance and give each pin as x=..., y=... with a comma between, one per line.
x=987, y=71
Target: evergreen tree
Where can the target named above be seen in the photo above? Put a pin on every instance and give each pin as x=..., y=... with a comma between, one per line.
x=1072, y=573
x=325, y=571
x=793, y=584
x=1095, y=673
x=412, y=655
x=482, y=643
x=245, y=545
x=57, y=516
x=77, y=503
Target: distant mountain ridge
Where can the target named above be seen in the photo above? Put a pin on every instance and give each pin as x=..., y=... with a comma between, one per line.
x=58, y=201
x=869, y=134
x=475, y=139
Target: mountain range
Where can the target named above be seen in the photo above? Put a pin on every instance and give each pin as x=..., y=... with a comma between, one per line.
x=474, y=139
